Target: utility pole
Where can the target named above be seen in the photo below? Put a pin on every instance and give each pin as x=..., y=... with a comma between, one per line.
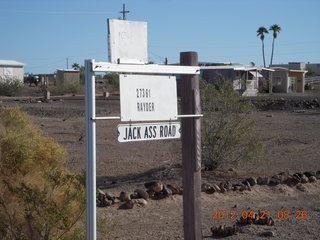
x=124, y=12
x=67, y=63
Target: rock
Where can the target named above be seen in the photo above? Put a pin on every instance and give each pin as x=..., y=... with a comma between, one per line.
x=155, y=186
x=252, y=181
x=109, y=196
x=173, y=189
x=274, y=181
x=129, y=204
x=115, y=200
x=312, y=179
x=243, y=187
x=236, y=187
x=210, y=190
x=205, y=187
x=264, y=221
x=180, y=190
x=299, y=175
x=142, y=194
x=246, y=221
x=310, y=173
x=292, y=180
x=304, y=179
x=216, y=187
x=226, y=185
x=135, y=195
x=124, y=197
x=100, y=195
x=104, y=203
x=224, y=231
x=151, y=194
x=166, y=191
x=281, y=177
x=223, y=190
x=246, y=183
x=107, y=203
x=268, y=234
x=262, y=180
x=140, y=202
x=222, y=184
x=301, y=187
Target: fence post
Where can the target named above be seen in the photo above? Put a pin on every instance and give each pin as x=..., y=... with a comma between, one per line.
x=191, y=150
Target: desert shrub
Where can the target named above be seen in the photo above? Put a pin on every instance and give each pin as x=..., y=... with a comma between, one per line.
x=310, y=72
x=227, y=129
x=39, y=198
x=66, y=88
x=11, y=87
x=113, y=80
x=264, y=85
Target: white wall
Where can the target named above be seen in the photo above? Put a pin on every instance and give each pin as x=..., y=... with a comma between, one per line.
x=11, y=72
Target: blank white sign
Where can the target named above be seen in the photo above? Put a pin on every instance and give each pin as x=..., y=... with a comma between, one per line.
x=127, y=41
x=148, y=97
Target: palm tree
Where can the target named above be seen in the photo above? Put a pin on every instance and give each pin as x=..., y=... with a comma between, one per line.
x=276, y=29
x=260, y=32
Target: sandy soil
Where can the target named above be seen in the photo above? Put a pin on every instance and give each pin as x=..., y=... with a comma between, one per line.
x=291, y=139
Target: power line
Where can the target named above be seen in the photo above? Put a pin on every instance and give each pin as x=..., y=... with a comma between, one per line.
x=55, y=12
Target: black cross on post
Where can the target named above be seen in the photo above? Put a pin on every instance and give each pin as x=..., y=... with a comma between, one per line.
x=124, y=12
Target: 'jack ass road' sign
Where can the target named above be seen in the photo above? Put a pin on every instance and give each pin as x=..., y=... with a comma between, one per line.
x=148, y=131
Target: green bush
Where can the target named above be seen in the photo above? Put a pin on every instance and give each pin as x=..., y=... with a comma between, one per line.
x=11, y=87
x=227, y=129
x=113, y=80
x=39, y=198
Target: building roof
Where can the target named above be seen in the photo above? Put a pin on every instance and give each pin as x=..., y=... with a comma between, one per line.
x=289, y=70
x=68, y=70
x=237, y=67
x=256, y=74
x=11, y=63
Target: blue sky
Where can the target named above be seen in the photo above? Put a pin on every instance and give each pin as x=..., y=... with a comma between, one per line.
x=44, y=33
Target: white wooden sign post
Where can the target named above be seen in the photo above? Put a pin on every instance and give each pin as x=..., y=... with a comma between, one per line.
x=146, y=98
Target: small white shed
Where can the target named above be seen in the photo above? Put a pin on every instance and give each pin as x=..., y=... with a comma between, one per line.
x=11, y=70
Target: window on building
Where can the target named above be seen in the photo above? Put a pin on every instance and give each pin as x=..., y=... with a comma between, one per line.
x=8, y=71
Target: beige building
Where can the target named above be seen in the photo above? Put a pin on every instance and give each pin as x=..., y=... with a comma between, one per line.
x=285, y=80
x=11, y=70
x=301, y=66
x=245, y=79
x=64, y=76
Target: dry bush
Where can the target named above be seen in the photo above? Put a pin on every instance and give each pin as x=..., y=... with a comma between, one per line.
x=11, y=87
x=39, y=198
x=228, y=136
x=66, y=88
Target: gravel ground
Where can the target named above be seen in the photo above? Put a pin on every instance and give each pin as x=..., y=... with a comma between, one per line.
x=288, y=126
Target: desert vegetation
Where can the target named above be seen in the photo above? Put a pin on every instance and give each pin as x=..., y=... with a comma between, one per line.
x=228, y=135
x=39, y=198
